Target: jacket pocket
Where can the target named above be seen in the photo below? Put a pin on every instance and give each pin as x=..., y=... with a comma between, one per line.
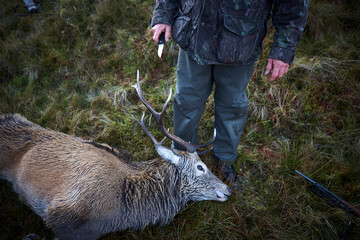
x=181, y=31
x=186, y=6
x=238, y=39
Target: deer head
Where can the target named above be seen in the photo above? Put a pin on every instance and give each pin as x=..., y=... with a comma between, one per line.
x=199, y=183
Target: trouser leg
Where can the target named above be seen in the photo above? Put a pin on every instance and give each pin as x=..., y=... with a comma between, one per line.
x=192, y=90
x=194, y=85
x=231, y=108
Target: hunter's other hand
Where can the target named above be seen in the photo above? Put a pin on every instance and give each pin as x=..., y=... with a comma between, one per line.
x=158, y=29
x=279, y=68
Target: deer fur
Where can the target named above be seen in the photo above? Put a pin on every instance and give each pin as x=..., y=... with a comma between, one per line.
x=84, y=190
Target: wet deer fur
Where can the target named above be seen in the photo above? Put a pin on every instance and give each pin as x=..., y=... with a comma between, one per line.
x=83, y=190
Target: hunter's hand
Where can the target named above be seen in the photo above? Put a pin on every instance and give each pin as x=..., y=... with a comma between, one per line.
x=279, y=68
x=158, y=29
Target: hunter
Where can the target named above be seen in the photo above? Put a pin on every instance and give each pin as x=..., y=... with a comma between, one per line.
x=220, y=41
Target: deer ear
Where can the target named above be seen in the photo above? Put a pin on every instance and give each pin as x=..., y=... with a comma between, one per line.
x=168, y=154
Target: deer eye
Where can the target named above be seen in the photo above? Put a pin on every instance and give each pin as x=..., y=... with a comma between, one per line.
x=199, y=167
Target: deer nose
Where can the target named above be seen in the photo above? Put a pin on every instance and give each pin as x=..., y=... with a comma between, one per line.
x=229, y=189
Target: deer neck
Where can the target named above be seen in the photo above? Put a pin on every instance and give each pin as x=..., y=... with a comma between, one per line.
x=154, y=195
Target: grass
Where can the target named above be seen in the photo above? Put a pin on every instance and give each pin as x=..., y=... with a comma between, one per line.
x=71, y=67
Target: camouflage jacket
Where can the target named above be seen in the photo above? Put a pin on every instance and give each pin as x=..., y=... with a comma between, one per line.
x=232, y=31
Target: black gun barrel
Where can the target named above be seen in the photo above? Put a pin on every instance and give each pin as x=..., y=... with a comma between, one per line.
x=327, y=192
x=330, y=197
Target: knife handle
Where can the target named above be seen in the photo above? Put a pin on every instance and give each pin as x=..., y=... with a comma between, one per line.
x=162, y=38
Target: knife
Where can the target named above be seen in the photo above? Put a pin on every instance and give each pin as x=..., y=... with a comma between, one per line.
x=161, y=44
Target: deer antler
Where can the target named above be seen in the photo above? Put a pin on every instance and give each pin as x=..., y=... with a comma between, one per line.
x=142, y=125
x=159, y=118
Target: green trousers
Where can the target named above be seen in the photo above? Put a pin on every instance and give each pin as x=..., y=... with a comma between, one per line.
x=194, y=85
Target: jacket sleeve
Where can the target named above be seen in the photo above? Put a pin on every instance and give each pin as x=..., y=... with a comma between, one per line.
x=289, y=19
x=165, y=12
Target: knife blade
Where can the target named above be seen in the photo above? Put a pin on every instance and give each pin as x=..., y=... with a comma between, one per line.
x=161, y=44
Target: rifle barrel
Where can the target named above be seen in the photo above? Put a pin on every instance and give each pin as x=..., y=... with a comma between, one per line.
x=330, y=197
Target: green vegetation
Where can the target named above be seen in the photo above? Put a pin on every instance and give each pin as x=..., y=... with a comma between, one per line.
x=71, y=67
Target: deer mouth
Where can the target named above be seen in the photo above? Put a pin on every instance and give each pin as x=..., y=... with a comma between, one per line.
x=221, y=196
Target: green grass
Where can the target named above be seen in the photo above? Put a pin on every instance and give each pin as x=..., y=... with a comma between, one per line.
x=71, y=67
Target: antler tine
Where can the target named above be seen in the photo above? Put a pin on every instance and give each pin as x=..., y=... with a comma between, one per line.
x=208, y=143
x=141, y=96
x=164, y=139
x=142, y=125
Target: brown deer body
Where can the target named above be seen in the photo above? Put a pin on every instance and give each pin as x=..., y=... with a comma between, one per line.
x=83, y=190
